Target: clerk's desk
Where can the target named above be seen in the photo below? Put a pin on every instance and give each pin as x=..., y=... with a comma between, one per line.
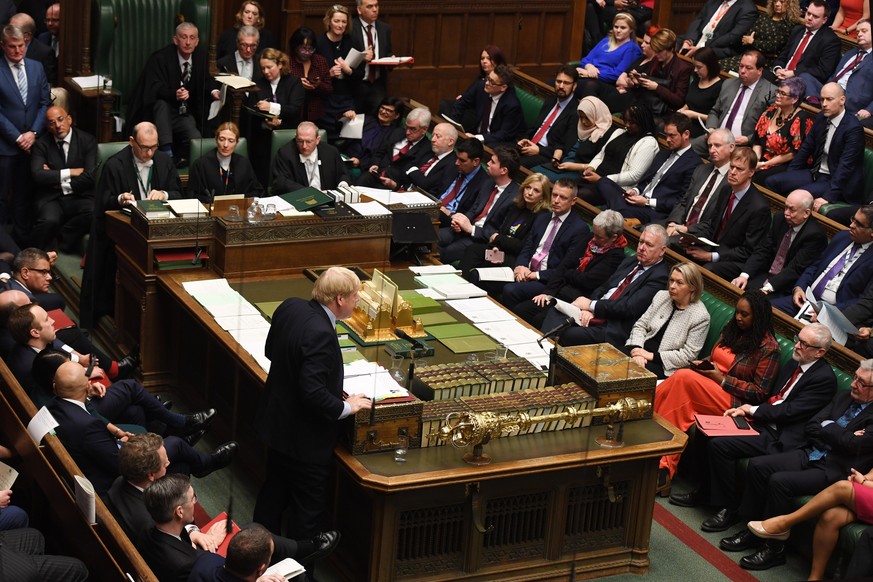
x=282, y=247
x=550, y=497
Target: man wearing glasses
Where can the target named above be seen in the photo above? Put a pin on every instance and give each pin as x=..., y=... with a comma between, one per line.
x=554, y=132
x=498, y=110
x=805, y=385
x=405, y=148
x=138, y=172
x=62, y=163
x=842, y=272
x=305, y=161
x=836, y=441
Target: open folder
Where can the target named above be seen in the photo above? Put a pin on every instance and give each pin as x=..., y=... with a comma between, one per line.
x=716, y=425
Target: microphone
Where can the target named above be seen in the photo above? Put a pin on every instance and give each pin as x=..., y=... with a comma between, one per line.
x=416, y=345
x=556, y=330
x=228, y=527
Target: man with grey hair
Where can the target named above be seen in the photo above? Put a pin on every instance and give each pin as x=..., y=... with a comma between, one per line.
x=37, y=51
x=242, y=61
x=405, y=148
x=173, y=91
x=612, y=309
x=437, y=170
x=706, y=183
x=24, y=100
x=372, y=37
x=835, y=442
x=306, y=162
x=804, y=386
x=793, y=243
x=303, y=403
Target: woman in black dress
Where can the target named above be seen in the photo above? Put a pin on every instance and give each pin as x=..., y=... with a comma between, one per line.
x=222, y=170
x=334, y=45
x=377, y=128
x=703, y=90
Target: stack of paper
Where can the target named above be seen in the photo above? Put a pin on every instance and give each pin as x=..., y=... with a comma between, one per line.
x=434, y=270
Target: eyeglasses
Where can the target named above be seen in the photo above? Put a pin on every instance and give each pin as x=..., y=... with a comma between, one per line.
x=493, y=83
x=146, y=148
x=43, y=272
x=858, y=224
x=857, y=380
x=560, y=82
x=784, y=93
x=55, y=122
x=306, y=49
x=414, y=129
x=805, y=345
x=248, y=45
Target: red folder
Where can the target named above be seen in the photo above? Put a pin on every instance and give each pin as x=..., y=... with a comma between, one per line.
x=222, y=549
x=62, y=321
x=717, y=425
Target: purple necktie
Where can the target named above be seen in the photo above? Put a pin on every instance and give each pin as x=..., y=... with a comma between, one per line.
x=538, y=258
x=832, y=272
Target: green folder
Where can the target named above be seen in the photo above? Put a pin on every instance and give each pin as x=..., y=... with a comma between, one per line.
x=466, y=345
x=350, y=356
x=307, y=198
x=420, y=303
x=441, y=332
x=434, y=318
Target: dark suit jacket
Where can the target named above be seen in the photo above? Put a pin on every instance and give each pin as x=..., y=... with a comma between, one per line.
x=568, y=283
x=48, y=301
x=572, y=231
x=118, y=175
x=745, y=229
x=820, y=56
x=303, y=399
x=497, y=212
x=681, y=209
x=470, y=193
x=813, y=390
x=860, y=313
x=857, y=278
x=670, y=188
x=383, y=43
x=847, y=451
x=210, y=568
x=562, y=134
x=507, y=122
x=621, y=314
x=417, y=154
x=204, y=178
x=17, y=117
x=805, y=248
x=289, y=173
x=169, y=558
x=129, y=509
x=859, y=88
x=727, y=37
x=762, y=96
x=845, y=157
x=162, y=76
x=88, y=442
x=81, y=153
x=227, y=63
x=38, y=51
x=290, y=94
x=442, y=171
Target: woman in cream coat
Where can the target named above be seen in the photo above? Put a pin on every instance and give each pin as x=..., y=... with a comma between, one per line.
x=673, y=329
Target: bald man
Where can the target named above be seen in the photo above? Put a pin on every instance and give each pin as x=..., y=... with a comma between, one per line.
x=63, y=162
x=829, y=163
x=137, y=172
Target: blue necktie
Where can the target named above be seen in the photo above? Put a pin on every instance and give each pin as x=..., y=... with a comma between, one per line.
x=22, y=81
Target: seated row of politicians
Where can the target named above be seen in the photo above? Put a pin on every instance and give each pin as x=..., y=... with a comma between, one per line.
x=123, y=439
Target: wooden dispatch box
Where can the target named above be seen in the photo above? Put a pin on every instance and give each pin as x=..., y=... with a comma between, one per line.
x=391, y=420
x=605, y=372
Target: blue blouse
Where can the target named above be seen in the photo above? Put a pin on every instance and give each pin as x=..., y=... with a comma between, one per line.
x=611, y=64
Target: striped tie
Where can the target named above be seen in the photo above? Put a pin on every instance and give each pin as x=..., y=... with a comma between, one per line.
x=22, y=81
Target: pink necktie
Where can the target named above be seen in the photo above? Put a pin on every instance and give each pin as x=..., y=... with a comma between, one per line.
x=538, y=258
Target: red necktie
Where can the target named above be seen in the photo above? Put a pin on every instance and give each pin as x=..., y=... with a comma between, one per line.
x=792, y=64
x=427, y=165
x=727, y=215
x=402, y=151
x=371, y=71
x=694, y=215
x=851, y=66
x=487, y=208
x=624, y=283
x=785, y=388
x=547, y=124
x=453, y=192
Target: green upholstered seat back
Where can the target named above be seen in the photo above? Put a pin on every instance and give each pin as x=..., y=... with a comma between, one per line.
x=282, y=137
x=203, y=145
x=126, y=32
x=719, y=314
x=530, y=105
x=106, y=151
x=786, y=348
